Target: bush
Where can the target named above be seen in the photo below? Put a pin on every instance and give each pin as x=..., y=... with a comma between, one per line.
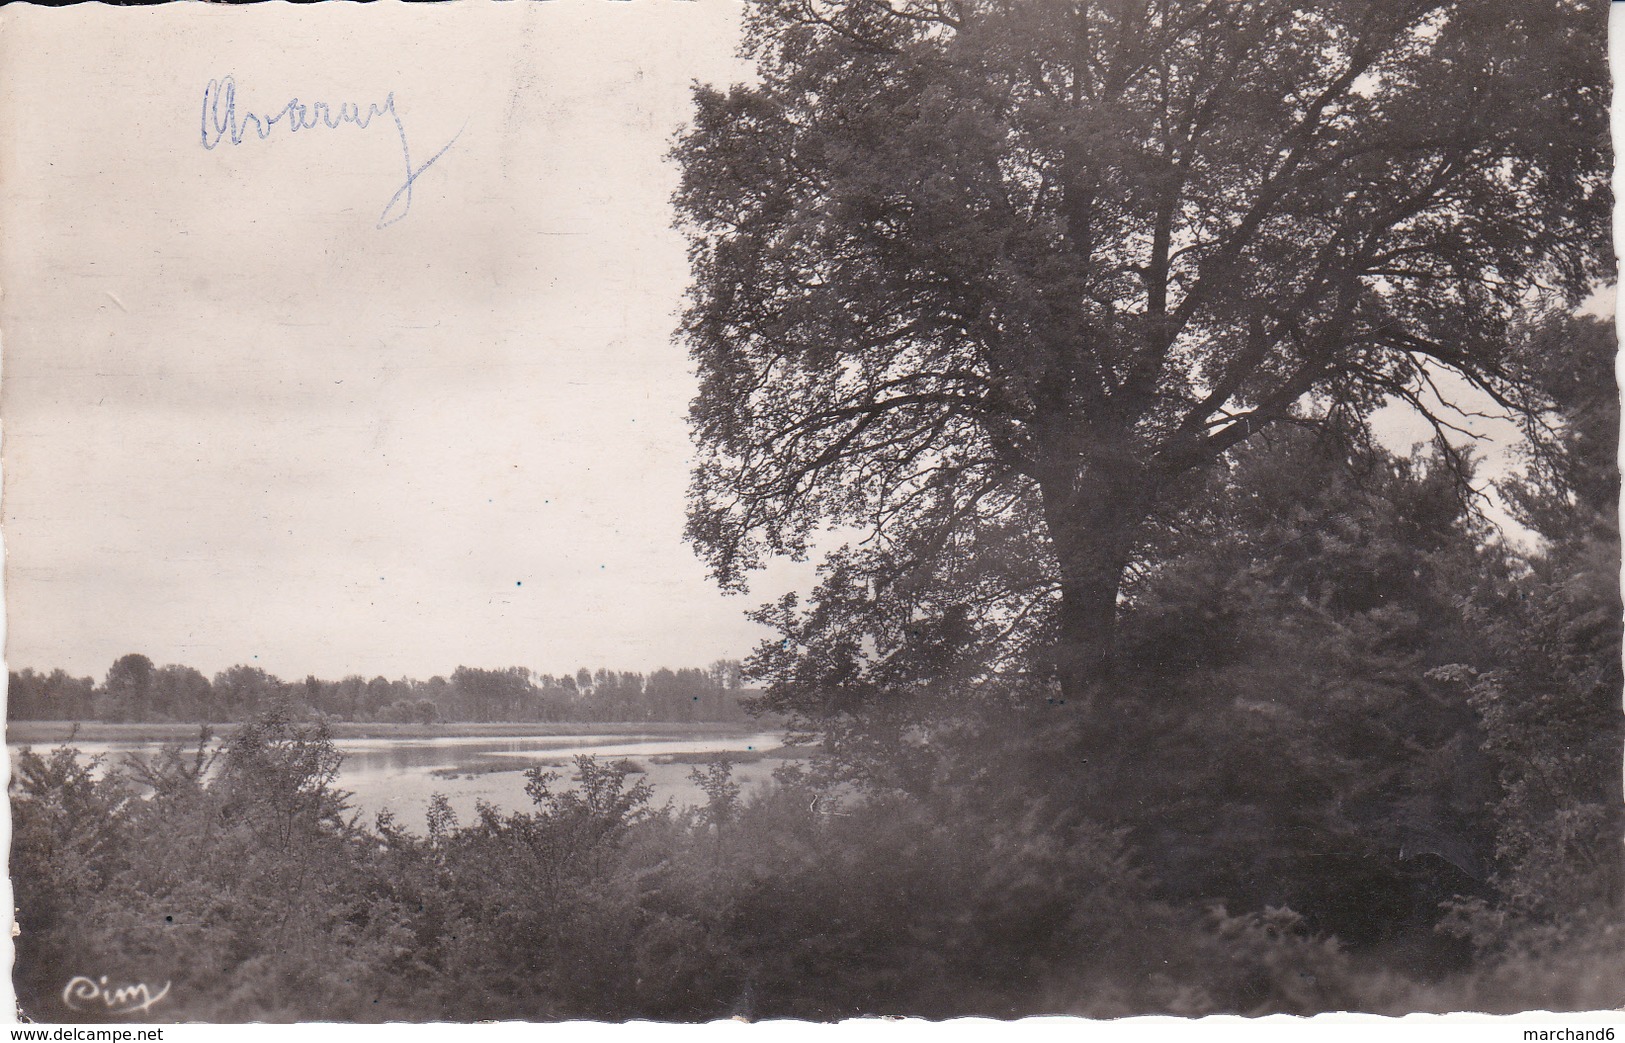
x=252, y=889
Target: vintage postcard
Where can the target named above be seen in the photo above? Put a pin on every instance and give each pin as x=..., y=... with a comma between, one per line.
x=681, y=510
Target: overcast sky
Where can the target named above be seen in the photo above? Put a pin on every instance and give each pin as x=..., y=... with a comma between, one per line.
x=243, y=423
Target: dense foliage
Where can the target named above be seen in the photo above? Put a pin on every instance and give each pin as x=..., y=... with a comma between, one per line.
x=241, y=882
x=1004, y=283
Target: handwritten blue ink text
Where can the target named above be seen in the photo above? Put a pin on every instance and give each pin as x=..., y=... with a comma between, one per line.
x=222, y=122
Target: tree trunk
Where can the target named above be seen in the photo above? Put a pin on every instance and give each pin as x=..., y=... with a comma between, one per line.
x=1085, y=645
x=1091, y=527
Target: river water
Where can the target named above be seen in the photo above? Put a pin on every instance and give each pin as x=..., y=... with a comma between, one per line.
x=400, y=775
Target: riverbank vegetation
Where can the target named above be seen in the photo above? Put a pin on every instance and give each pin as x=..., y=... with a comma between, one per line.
x=135, y=691
x=243, y=882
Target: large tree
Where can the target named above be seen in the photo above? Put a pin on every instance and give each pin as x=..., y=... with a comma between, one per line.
x=127, y=693
x=1002, y=279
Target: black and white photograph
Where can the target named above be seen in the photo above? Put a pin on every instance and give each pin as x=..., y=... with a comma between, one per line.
x=690, y=511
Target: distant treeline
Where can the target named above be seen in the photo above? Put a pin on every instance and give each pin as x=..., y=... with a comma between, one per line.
x=137, y=690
